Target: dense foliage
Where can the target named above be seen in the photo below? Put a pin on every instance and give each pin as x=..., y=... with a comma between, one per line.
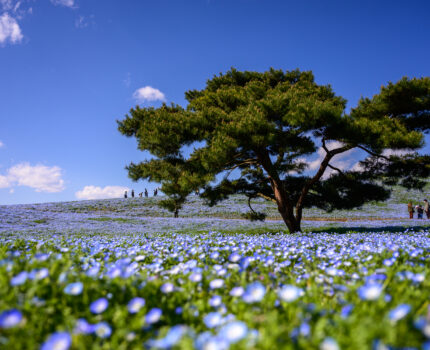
x=259, y=130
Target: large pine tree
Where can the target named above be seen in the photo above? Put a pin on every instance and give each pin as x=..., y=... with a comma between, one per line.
x=260, y=129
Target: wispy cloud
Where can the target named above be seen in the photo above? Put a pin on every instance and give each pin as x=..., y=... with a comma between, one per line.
x=84, y=21
x=1, y=144
x=95, y=192
x=148, y=94
x=7, y=5
x=127, y=80
x=10, y=30
x=342, y=161
x=41, y=178
x=66, y=3
x=4, y=182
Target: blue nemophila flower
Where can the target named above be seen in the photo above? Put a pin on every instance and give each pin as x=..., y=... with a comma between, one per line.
x=167, y=288
x=399, y=312
x=418, y=278
x=99, y=306
x=195, y=277
x=206, y=341
x=346, y=311
x=153, y=316
x=63, y=277
x=233, y=332
x=83, y=327
x=130, y=336
x=93, y=271
x=19, y=279
x=58, y=341
x=234, y=257
x=305, y=329
x=214, y=255
x=426, y=345
x=212, y=319
x=215, y=301
x=102, y=330
x=74, y=288
x=329, y=344
x=39, y=274
x=237, y=292
x=370, y=291
x=289, y=293
x=254, y=293
x=217, y=283
x=10, y=318
x=41, y=256
x=172, y=337
x=423, y=325
x=135, y=305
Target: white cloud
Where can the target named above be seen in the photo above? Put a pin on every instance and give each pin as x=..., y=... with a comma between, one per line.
x=84, y=21
x=66, y=3
x=7, y=4
x=148, y=93
x=4, y=182
x=1, y=144
x=127, y=80
x=342, y=161
x=40, y=177
x=81, y=22
x=9, y=29
x=95, y=192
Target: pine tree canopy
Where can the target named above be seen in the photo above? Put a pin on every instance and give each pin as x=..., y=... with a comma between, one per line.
x=259, y=130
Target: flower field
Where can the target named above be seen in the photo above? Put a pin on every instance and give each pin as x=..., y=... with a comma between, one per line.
x=99, y=279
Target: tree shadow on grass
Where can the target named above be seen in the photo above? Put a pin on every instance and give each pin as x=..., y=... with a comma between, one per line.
x=363, y=229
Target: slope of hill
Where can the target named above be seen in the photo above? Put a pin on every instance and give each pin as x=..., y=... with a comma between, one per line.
x=142, y=215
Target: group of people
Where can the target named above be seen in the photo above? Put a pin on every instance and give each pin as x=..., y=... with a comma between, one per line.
x=141, y=193
x=419, y=209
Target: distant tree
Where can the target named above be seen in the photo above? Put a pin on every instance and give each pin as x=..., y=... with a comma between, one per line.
x=260, y=129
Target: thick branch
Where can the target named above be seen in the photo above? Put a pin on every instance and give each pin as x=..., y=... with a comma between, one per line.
x=278, y=189
x=319, y=174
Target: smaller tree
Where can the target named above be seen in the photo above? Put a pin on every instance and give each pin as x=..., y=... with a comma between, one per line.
x=175, y=175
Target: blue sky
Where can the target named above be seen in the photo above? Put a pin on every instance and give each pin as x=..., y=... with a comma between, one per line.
x=70, y=68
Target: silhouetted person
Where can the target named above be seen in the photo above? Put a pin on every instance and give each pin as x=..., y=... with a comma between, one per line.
x=420, y=211
x=125, y=194
x=132, y=193
x=411, y=210
x=146, y=192
x=155, y=192
x=426, y=208
x=140, y=194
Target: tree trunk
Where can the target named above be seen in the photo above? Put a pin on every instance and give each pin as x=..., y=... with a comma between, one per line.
x=285, y=208
x=290, y=220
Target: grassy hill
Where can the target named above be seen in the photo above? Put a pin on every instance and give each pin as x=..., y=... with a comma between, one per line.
x=143, y=215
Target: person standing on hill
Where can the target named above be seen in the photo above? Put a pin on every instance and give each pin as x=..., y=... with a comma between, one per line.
x=146, y=192
x=426, y=208
x=125, y=194
x=420, y=211
x=132, y=193
x=411, y=210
